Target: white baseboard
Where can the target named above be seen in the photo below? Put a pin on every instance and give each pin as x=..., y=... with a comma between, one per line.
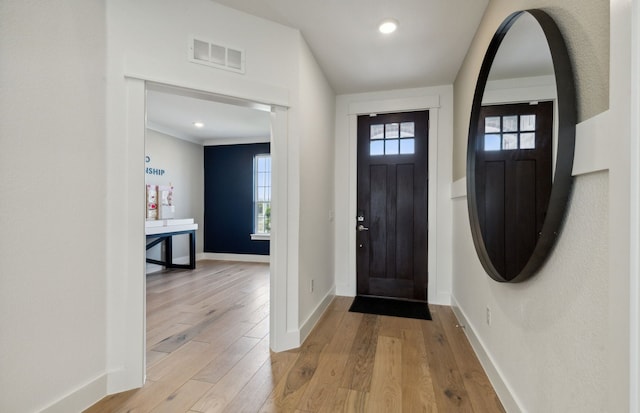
x=81, y=398
x=312, y=320
x=345, y=290
x=439, y=299
x=288, y=341
x=235, y=257
x=506, y=396
x=151, y=268
x=121, y=379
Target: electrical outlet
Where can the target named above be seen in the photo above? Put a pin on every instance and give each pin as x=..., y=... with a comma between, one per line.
x=488, y=316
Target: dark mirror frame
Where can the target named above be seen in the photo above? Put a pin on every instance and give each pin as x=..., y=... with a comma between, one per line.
x=562, y=180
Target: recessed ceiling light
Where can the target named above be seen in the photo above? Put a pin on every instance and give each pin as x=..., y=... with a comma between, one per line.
x=198, y=124
x=388, y=26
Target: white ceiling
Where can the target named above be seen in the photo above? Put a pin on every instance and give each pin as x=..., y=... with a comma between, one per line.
x=428, y=48
x=174, y=114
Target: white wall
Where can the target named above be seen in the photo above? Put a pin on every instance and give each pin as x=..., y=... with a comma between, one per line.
x=52, y=169
x=317, y=111
x=439, y=100
x=559, y=341
x=183, y=163
x=137, y=28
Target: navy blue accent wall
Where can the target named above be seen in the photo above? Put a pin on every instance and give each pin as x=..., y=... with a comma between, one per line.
x=228, y=199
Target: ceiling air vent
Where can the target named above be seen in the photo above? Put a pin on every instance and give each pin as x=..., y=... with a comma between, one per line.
x=216, y=55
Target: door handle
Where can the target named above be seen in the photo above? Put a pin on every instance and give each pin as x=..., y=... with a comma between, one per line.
x=362, y=228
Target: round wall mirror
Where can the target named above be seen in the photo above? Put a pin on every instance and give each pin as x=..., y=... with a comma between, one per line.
x=521, y=145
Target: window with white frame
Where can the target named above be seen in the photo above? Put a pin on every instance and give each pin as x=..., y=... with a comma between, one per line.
x=261, y=196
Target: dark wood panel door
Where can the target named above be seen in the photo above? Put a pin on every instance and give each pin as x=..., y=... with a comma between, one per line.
x=392, y=205
x=514, y=174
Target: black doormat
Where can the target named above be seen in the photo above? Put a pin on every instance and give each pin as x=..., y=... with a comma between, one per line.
x=391, y=307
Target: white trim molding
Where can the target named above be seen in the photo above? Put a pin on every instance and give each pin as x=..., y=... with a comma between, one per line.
x=593, y=146
x=235, y=141
x=260, y=237
x=283, y=334
x=81, y=398
x=126, y=298
x=235, y=257
x=459, y=188
x=314, y=317
x=394, y=105
x=634, y=318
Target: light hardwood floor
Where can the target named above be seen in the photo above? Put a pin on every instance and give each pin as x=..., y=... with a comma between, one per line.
x=208, y=351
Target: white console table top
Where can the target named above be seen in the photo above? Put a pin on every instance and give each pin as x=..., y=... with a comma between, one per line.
x=163, y=226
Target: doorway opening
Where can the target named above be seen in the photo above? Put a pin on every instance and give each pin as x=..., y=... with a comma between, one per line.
x=196, y=302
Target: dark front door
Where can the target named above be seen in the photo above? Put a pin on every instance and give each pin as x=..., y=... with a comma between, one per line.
x=392, y=205
x=513, y=174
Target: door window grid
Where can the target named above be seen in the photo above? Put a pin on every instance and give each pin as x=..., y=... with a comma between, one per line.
x=262, y=194
x=392, y=139
x=504, y=133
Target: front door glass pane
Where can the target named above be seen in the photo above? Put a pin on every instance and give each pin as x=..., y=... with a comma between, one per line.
x=510, y=123
x=528, y=122
x=391, y=130
x=376, y=148
x=377, y=132
x=407, y=146
x=492, y=124
x=510, y=141
x=391, y=146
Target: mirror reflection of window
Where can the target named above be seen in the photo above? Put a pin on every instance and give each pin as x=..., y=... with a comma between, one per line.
x=502, y=132
x=492, y=142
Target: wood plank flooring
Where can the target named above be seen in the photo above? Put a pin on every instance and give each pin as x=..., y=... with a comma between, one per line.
x=208, y=351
